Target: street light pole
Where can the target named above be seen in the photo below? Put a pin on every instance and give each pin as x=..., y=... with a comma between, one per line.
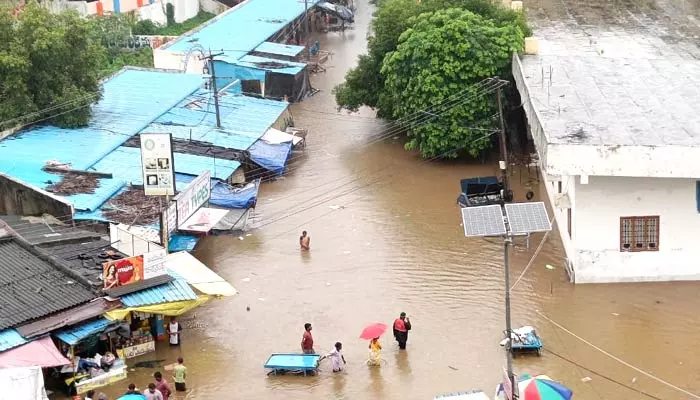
x=509, y=353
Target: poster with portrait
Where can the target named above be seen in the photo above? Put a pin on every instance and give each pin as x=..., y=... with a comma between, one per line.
x=157, y=163
x=134, y=269
x=122, y=272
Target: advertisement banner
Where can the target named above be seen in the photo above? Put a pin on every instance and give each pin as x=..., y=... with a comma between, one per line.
x=171, y=217
x=157, y=164
x=195, y=195
x=130, y=270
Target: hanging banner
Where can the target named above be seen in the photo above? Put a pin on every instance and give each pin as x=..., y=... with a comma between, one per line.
x=130, y=270
x=507, y=384
x=157, y=164
x=195, y=195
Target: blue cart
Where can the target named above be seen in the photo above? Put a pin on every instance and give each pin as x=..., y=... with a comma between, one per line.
x=292, y=363
x=526, y=341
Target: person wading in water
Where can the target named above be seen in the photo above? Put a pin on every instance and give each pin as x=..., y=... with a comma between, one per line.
x=307, y=341
x=305, y=241
x=401, y=327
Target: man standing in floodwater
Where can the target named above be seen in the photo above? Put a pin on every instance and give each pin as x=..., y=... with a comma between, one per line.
x=305, y=241
x=401, y=327
x=307, y=341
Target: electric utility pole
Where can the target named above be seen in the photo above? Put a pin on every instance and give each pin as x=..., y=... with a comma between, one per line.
x=306, y=28
x=210, y=60
x=503, y=163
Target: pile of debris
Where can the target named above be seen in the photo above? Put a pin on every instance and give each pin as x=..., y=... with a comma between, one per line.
x=133, y=207
x=73, y=183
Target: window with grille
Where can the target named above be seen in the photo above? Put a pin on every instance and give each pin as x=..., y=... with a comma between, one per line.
x=639, y=233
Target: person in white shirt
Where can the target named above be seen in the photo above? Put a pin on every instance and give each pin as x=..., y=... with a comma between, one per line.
x=174, y=329
x=89, y=395
x=337, y=358
x=152, y=393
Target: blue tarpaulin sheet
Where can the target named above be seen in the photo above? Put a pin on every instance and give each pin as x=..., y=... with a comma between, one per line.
x=225, y=196
x=272, y=157
x=180, y=242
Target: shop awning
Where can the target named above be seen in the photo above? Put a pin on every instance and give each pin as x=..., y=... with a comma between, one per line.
x=10, y=338
x=173, y=309
x=203, y=220
x=68, y=317
x=275, y=136
x=39, y=353
x=76, y=333
x=177, y=290
x=198, y=275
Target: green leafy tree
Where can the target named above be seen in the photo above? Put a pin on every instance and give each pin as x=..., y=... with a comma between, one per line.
x=49, y=68
x=364, y=85
x=441, y=55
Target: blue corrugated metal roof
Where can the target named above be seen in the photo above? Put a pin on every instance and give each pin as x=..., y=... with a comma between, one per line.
x=243, y=120
x=79, y=332
x=281, y=49
x=242, y=28
x=10, y=338
x=131, y=100
x=177, y=290
x=249, y=61
x=125, y=163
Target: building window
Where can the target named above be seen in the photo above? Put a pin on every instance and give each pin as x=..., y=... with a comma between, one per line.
x=639, y=233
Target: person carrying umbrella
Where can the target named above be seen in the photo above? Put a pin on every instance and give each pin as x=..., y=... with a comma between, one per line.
x=401, y=327
x=373, y=332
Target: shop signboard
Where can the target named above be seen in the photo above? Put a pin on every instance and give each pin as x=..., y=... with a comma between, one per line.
x=195, y=195
x=157, y=164
x=171, y=217
x=129, y=270
x=114, y=375
x=139, y=349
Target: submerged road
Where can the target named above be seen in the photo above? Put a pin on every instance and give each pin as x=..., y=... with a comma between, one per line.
x=385, y=238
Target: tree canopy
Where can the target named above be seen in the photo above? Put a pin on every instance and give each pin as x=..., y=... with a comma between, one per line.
x=439, y=59
x=365, y=85
x=47, y=61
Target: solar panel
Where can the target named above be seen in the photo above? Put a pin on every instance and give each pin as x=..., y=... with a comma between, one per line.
x=528, y=217
x=483, y=221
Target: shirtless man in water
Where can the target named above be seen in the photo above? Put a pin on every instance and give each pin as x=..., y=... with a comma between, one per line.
x=305, y=241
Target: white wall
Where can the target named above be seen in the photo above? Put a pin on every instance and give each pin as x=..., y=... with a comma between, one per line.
x=174, y=60
x=155, y=12
x=600, y=204
x=213, y=6
x=560, y=214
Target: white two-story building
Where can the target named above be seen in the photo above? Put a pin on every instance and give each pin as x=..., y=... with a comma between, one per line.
x=615, y=117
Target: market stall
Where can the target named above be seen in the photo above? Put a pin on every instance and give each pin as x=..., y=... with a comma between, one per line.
x=91, y=347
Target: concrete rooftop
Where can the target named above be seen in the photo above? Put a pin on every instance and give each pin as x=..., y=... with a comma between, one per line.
x=615, y=72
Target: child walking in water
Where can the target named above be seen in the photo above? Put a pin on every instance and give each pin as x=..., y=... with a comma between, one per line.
x=337, y=358
x=375, y=352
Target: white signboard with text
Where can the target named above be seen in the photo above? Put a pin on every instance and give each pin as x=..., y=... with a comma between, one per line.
x=195, y=195
x=154, y=264
x=157, y=164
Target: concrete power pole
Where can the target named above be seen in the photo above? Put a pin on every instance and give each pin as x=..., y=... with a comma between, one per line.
x=210, y=60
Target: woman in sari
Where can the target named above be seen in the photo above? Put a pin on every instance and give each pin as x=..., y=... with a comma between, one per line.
x=375, y=352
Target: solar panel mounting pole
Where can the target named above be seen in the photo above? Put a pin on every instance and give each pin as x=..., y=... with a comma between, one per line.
x=506, y=221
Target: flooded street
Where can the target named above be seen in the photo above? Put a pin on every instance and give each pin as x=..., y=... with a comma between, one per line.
x=385, y=238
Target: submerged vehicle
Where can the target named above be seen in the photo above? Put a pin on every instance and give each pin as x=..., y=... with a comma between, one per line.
x=482, y=191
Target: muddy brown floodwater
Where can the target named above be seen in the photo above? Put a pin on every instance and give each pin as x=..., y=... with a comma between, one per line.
x=395, y=244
